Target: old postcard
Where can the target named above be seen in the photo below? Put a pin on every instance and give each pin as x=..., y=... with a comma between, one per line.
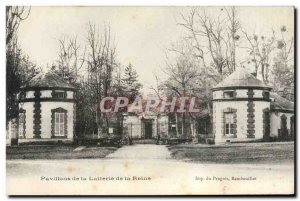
x=150, y=100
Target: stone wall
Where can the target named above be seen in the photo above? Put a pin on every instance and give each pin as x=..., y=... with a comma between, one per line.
x=218, y=121
x=247, y=106
x=28, y=107
x=46, y=108
x=38, y=114
x=164, y=125
x=259, y=114
x=136, y=126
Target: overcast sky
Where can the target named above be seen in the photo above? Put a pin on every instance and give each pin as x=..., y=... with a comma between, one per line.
x=142, y=34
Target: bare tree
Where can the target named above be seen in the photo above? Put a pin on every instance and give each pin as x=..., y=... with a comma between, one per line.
x=232, y=37
x=286, y=47
x=19, y=69
x=101, y=60
x=213, y=39
x=14, y=16
x=158, y=89
x=260, y=49
x=283, y=66
x=71, y=59
x=183, y=79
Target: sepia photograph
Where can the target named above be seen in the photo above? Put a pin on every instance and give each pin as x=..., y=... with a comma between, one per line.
x=150, y=100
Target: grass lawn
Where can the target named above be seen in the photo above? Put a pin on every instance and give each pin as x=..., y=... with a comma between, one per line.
x=274, y=153
x=56, y=152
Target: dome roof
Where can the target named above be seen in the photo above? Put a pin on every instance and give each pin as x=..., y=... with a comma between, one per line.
x=49, y=80
x=241, y=78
